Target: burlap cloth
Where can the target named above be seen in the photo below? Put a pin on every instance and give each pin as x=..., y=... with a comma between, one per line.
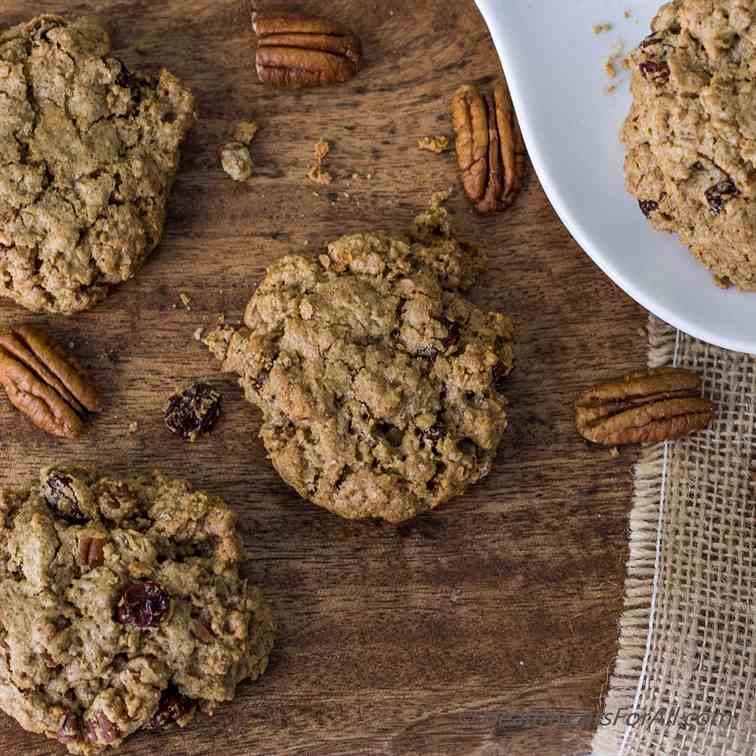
x=685, y=677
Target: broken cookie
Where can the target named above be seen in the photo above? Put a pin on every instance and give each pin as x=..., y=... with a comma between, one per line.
x=89, y=153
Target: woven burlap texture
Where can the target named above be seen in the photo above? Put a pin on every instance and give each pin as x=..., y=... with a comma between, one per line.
x=685, y=677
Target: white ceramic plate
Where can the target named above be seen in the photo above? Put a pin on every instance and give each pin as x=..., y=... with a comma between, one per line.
x=554, y=64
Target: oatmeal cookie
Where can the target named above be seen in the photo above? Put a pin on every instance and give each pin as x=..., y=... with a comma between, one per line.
x=380, y=386
x=122, y=606
x=691, y=133
x=89, y=152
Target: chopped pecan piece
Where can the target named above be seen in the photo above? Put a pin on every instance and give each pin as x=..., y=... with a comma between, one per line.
x=44, y=383
x=70, y=730
x=91, y=551
x=295, y=51
x=648, y=406
x=101, y=730
x=490, y=151
x=658, y=72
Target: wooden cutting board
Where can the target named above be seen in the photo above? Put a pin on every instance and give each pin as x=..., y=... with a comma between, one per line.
x=433, y=637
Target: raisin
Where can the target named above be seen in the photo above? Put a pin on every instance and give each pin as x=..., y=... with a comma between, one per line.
x=173, y=706
x=60, y=496
x=428, y=352
x=500, y=371
x=130, y=81
x=143, y=604
x=720, y=194
x=651, y=39
x=193, y=411
x=697, y=166
x=390, y=432
x=453, y=334
x=647, y=207
x=435, y=432
x=656, y=72
x=261, y=380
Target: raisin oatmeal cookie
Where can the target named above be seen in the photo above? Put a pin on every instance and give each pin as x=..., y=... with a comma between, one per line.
x=122, y=606
x=89, y=152
x=691, y=132
x=380, y=386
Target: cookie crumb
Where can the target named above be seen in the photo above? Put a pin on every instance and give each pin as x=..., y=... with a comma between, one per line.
x=436, y=144
x=317, y=173
x=322, y=150
x=133, y=428
x=614, y=452
x=439, y=198
x=236, y=161
x=186, y=300
x=615, y=60
x=601, y=28
x=628, y=13
x=198, y=334
x=245, y=132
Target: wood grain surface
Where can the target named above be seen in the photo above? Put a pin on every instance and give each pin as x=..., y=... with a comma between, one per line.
x=439, y=636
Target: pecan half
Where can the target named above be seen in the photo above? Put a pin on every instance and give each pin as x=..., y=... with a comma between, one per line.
x=649, y=406
x=295, y=51
x=45, y=383
x=490, y=150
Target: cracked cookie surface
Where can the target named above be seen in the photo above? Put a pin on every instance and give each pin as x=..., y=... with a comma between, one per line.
x=691, y=132
x=380, y=386
x=89, y=152
x=123, y=607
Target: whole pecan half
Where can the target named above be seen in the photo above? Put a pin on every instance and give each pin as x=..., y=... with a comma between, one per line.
x=295, y=51
x=490, y=150
x=45, y=383
x=648, y=406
